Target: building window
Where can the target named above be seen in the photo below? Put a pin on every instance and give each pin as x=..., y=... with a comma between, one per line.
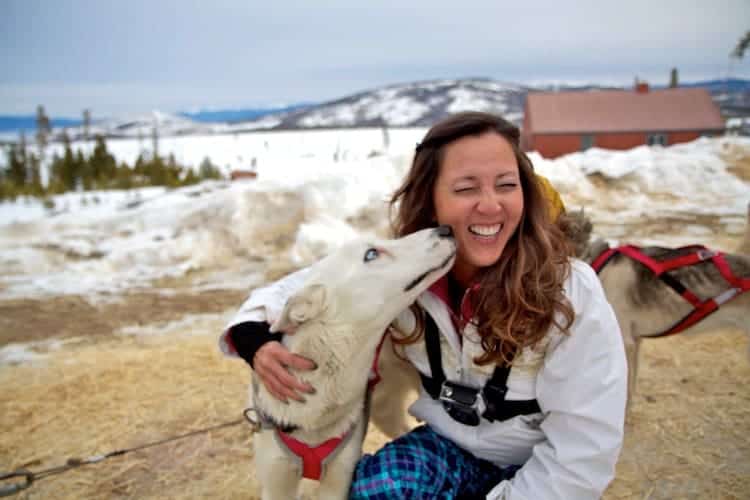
x=656, y=139
x=587, y=141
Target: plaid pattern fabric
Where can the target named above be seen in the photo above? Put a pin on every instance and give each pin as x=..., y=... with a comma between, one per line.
x=424, y=465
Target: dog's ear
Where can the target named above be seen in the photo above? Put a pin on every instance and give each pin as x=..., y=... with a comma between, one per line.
x=303, y=306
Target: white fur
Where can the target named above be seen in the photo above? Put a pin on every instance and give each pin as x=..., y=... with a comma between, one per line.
x=337, y=319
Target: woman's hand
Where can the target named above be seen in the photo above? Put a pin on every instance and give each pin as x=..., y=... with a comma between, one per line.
x=271, y=364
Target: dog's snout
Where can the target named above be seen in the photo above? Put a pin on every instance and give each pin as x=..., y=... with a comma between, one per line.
x=444, y=231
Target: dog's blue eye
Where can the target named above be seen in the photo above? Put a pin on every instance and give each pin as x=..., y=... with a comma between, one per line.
x=371, y=254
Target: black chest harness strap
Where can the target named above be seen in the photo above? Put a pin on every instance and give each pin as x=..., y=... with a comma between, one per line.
x=466, y=404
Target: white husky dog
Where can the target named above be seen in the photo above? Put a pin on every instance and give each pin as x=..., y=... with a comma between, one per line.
x=337, y=319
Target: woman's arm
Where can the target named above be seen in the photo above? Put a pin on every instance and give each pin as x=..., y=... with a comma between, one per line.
x=248, y=337
x=582, y=389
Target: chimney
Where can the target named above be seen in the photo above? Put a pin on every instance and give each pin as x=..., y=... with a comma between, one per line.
x=674, y=80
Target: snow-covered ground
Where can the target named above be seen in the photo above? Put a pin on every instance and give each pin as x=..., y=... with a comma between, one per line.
x=316, y=189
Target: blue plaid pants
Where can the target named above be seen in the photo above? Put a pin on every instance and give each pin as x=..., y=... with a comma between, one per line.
x=423, y=465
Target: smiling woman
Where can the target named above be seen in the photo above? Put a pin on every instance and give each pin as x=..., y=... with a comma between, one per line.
x=512, y=415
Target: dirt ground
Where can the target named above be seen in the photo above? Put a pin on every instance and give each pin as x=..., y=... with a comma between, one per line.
x=104, y=389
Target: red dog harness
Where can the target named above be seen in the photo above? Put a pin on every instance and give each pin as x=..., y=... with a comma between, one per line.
x=696, y=254
x=313, y=458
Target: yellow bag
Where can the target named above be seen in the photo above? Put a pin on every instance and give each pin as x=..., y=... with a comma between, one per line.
x=556, y=206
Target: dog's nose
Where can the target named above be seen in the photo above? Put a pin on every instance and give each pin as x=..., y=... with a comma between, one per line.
x=444, y=231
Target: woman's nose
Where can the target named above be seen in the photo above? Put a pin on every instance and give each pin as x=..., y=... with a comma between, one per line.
x=488, y=203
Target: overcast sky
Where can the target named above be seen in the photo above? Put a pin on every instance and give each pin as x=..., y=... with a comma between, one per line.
x=119, y=56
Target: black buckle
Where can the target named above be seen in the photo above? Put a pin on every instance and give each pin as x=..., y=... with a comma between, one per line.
x=493, y=395
x=462, y=403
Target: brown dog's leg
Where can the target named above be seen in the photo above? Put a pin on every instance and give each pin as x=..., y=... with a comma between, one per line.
x=630, y=340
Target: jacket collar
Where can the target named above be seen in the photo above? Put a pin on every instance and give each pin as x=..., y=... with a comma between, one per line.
x=441, y=289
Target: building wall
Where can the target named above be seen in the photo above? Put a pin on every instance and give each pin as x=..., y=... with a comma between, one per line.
x=620, y=141
x=678, y=137
x=554, y=145
x=242, y=174
x=527, y=139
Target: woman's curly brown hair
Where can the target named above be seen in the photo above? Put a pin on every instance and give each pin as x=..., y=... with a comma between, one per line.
x=520, y=296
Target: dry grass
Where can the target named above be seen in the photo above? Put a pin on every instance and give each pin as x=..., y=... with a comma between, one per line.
x=118, y=393
x=687, y=437
x=688, y=433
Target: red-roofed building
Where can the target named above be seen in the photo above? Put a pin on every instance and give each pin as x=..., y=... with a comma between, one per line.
x=558, y=123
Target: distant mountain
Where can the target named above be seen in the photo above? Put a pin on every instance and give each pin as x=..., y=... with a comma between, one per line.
x=239, y=115
x=27, y=124
x=411, y=104
x=719, y=86
x=732, y=96
x=422, y=103
x=140, y=125
x=414, y=104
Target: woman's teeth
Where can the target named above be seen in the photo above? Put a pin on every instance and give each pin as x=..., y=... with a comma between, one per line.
x=485, y=230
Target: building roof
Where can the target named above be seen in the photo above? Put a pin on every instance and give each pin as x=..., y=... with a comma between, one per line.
x=622, y=111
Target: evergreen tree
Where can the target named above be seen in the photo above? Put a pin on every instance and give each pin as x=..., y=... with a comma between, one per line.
x=16, y=174
x=84, y=177
x=55, y=184
x=172, y=172
x=139, y=171
x=157, y=172
x=35, y=177
x=103, y=167
x=208, y=170
x=190, y=178
x=123, y=178
x=69, y=168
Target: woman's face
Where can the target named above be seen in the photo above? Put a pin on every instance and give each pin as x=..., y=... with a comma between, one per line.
x=478, y=193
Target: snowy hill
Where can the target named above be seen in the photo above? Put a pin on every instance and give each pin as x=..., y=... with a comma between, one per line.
x=412, y=104
x=420, y=104
x=141, y=126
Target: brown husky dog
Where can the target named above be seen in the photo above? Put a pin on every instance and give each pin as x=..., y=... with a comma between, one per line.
x=646, y=306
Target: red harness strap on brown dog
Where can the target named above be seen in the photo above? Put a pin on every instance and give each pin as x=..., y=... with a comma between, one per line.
x=701, y=308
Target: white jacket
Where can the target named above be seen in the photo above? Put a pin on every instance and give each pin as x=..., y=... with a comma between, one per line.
x=569, y=450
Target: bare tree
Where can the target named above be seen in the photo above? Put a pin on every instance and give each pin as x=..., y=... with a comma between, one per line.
x=43, y=130
x=86, y=123
x=739, y=50
x=155, y=139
